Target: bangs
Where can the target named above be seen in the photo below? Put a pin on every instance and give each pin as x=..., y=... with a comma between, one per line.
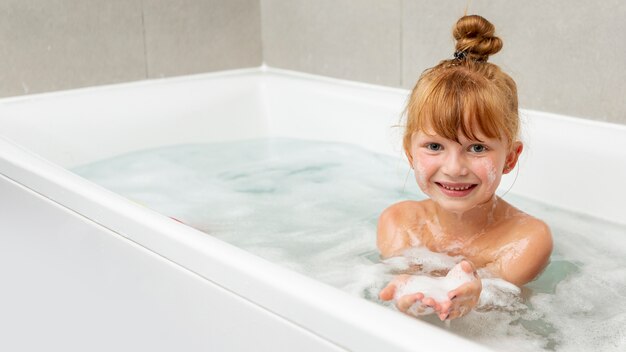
x=457, y=102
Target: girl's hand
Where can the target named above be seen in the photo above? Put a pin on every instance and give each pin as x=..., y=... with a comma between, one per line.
x=428, y=305
x=462, y=299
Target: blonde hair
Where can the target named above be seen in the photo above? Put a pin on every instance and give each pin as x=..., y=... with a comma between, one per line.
x=466, y=94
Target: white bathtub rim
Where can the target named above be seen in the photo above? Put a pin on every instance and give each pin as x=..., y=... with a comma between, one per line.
x=573, y=119
x=404, y=92
x=150, y=82
x=291, y=74
x=262, y=70
x=265, y=70
x=268, y=71
x=202, y=254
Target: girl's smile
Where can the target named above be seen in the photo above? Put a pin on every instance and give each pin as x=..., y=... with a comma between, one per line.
x=461, y=175
x=456, y=189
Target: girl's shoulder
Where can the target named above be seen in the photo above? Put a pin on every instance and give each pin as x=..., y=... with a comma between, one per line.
x=405, y=211
x=526, y=249
x=537, y=234
x=394, y=223
x=523, y=225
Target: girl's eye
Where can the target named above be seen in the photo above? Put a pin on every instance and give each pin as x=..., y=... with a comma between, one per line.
x=435, y=147
x=477, y=148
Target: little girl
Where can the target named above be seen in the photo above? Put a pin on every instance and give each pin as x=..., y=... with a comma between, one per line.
x=460, y=138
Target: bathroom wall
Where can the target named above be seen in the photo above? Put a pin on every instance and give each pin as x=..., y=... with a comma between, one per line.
x=567, y=56
x=48, y=45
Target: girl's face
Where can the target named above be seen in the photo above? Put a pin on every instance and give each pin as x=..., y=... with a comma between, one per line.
x=459, y=176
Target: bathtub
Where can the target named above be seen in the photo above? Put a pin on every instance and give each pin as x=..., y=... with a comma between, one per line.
x=83, y=268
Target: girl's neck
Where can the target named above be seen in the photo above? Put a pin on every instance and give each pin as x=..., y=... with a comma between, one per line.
x=470, y=223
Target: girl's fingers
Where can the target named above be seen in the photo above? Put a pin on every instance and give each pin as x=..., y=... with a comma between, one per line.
x=458, y=292
x=388, y=292
x=405, y=302
x=444, y=312
x=429, y=302
x=445, y=306
x=432, y=303
x=453, y=315
x=456, y=309
x=467, y=267
x=464, y=289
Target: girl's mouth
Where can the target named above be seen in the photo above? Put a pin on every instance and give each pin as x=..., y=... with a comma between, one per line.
x=456, y=189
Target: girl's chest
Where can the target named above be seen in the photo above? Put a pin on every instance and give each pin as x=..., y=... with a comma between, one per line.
x=481, y=249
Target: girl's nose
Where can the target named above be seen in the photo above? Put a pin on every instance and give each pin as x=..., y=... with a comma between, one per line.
x=454, y=165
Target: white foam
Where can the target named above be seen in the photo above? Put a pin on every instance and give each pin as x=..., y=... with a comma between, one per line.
x=434, y=287
x=313, y=207
x=422, y=259
x=498, y=293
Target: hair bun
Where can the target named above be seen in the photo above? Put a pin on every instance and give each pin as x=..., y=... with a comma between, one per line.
x=475, y=36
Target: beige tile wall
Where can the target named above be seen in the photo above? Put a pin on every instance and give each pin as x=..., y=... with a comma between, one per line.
x=60, y=44
x=568, y=56
x=192, y=36
x=351, y=39
x=48, y=45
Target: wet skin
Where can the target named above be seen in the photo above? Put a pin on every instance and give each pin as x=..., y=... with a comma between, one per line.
x=463, y=217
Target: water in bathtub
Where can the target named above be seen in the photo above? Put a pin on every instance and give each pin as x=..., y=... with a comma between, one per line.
x=313, y=207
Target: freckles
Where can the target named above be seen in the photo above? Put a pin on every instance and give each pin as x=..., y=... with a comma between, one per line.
x=492, y=172
x=420, y=175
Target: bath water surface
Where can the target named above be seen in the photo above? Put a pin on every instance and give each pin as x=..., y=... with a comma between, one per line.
x=313, y=207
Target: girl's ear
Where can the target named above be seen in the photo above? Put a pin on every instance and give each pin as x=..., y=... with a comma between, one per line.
x=513, y=157
x=409, y=157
